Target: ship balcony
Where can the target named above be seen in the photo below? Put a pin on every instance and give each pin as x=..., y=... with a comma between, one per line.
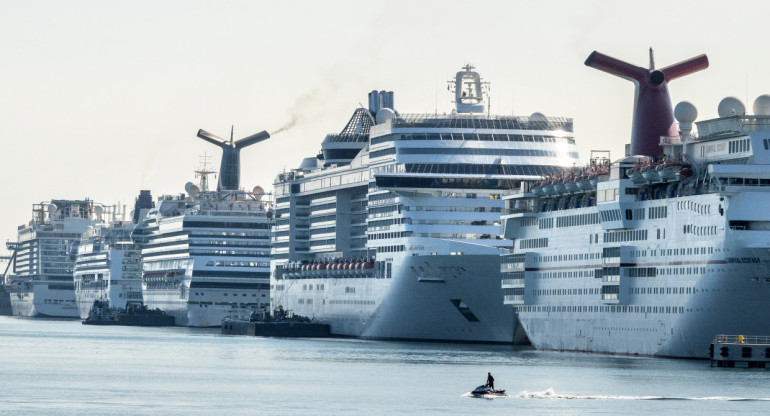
x=513, y=300
x=511, y=267
x=610, y=293
x=512, y=283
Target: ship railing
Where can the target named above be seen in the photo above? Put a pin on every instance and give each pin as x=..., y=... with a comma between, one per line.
x=511, y=211
x=742, y=339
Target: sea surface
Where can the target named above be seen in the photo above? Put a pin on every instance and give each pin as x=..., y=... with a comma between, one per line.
x=61, y=367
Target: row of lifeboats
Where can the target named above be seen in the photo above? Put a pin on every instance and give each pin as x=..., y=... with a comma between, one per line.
x=570, y=182
x=664, y=171
x=336, y=267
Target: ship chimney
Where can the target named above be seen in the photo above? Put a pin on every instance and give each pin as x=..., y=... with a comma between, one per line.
x=653, y=114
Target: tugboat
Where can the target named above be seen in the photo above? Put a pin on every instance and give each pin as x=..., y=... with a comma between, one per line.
x=135, y=314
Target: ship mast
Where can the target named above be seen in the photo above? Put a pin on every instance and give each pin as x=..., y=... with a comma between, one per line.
x=203, y=172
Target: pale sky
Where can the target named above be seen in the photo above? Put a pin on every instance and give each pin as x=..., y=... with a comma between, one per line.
x=100, y=99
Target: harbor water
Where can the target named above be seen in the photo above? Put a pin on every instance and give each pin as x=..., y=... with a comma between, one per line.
x=61, y=367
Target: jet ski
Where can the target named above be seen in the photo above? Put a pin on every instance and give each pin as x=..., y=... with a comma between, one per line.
x=485, y=390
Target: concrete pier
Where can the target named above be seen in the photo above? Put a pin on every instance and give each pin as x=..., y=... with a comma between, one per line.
x=742, y=351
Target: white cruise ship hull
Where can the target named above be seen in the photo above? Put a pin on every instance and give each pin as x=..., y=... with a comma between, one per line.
x=437, y=298
x=725, y=303
x=117, y=294
x=42, y=301
x=708, y=279
x=198, y=307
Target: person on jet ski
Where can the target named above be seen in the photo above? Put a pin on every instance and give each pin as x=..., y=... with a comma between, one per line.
x=490, y=381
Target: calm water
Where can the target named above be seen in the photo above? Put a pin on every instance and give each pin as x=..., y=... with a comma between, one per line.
x=65, y=368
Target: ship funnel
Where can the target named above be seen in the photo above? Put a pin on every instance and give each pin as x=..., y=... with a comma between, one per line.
x=230, y=168
x=653, y=115
x=379, y=100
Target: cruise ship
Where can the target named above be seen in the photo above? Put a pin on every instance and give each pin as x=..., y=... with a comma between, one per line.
x=44, y=258
x=658, y=252
x=108, y=267
x=206, y=254
x=393, y=230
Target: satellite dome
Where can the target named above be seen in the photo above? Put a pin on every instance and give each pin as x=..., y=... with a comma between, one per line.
x=731, y=106
x=192, y=189
x=762, y=105
x=51, y=211
x=384, y=114
x=538, y=117
x=258, y=190
x=685, y=112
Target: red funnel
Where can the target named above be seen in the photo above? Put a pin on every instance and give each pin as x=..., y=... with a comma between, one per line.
x=653, y=113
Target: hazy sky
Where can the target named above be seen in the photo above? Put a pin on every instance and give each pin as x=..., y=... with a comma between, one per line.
x=100, y=99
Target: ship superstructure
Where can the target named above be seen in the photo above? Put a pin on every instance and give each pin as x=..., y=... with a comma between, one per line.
x=206, y=254
x=108, y=266
x=652, y=254
x=42, y=282
x=393, y=230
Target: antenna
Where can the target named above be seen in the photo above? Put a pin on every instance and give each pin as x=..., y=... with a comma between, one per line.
x=203, y=172
x=652, y=60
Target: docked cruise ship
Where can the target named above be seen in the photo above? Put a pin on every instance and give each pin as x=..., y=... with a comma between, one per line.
x=206, y=254
x=44, y=258
x=393, y=230
x=108, y=267
x=656, y=253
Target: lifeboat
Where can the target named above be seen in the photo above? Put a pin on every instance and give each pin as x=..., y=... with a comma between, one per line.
x=651, y=173
x=368, y=267
x=537, y=188
x=583, y=182
x=572, y=184
x=290, y=269
x=560, y=186
x=322, y=269
x=668, y=171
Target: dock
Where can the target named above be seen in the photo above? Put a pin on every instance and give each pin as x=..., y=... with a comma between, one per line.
x=5, y=302
x=281, y=329
x=740, y=351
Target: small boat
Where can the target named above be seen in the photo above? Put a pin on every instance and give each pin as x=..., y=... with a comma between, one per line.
x=135, y=314
x=484, y=391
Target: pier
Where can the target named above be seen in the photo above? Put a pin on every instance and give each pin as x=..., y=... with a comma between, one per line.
x=740, y=351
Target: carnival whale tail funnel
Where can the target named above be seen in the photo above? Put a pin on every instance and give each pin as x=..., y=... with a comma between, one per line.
x=653, y=112
x=230, y=168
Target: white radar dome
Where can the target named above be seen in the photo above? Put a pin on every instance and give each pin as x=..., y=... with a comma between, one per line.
x=258, y=190
x=685, y=112
x=384, y=114
x=192, y=189
x=731, y=106
x=762, y=105
x=538, y=117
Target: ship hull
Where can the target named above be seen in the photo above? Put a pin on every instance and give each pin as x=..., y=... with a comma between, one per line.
x=431, y=298
x=720, y=303
x=42, y=300
x=195, y=302
x=116, y=294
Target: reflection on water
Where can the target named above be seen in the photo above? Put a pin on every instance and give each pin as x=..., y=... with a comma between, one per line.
x=63, y=367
